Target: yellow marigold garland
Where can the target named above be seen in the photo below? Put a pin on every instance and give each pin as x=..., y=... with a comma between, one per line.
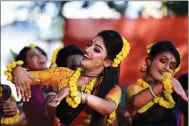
x=54, y=56
x=10, y=67
x=73, y=99
x=149, y=47
x=111, y=117
x=10, y=120
x=170, y=103
x=178, y=68
x=124, y=52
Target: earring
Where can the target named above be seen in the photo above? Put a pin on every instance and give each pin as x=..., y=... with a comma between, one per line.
x=143, y=68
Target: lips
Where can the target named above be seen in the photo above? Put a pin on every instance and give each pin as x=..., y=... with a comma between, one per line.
x=86, y=57
x=161, y=72
x=42, y=62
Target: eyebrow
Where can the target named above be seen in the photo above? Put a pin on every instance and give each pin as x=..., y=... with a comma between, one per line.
x=168, y=58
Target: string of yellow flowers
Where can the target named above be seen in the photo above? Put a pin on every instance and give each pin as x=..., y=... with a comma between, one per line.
x=149, y=47
x=124, y=52
x=10, y=120
x=54, y=56
x=73, y=99
x=14, y=64
x=160, y=100
x=111, y=117
x=10, y=67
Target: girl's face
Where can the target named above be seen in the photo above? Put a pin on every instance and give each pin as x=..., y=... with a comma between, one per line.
x=36, y=60
x=164, y=62
x=95, y=54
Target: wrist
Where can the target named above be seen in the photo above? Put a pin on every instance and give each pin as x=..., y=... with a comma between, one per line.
x=84, y=97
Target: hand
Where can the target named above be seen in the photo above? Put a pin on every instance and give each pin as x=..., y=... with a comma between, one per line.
x=177, y=87
x=49, y=110
x=59, y=97
x=20, y=78
x=9, y=109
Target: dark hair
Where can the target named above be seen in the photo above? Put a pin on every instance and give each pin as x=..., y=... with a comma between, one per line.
x=65, y=52
x=183, y=79
x=113, y=43
x=165, y=46
x=23, y=54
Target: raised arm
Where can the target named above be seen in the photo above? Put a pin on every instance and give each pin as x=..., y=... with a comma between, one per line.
x=56, y=77
x=108, y=104
x=138, y=97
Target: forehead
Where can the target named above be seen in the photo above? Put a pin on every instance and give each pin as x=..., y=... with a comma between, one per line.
x=98, y=40
x=33, y=50
x=167, y=55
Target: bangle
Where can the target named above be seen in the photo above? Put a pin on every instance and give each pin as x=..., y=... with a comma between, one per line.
x=82, y=98
x=86, y=99
x=152, y=92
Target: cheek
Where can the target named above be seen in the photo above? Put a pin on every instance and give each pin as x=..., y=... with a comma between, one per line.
x=32, y=62
x=157, y=63
x=98, y=59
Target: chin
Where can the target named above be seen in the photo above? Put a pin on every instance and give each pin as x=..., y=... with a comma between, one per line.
x=159, y=79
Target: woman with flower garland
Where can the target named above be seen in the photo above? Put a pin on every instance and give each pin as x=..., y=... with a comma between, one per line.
x=94, y=85
x=34, y=58
x=151, y=99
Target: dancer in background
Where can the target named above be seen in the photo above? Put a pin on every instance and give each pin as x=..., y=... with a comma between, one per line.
x=151, y=100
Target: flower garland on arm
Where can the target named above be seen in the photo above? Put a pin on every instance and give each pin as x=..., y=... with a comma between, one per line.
x=10, y=120
x=74, y=99
x=8, y=73
x=14, y=64
x=168, y=102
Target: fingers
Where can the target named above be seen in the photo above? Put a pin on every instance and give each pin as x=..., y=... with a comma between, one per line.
x=9, y=108
x=17, y=91
x=54, y=103
x=26, y=92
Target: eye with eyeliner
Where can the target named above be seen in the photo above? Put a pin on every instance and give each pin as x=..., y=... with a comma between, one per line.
x=172, y=66
x=96, y=49
x=163, y=60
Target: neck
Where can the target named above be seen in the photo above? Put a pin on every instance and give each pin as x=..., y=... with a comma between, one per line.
x=148, y=78
x=89, y=75
x=93, y=72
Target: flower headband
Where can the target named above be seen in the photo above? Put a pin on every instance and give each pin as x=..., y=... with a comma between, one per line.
x=149, y=47
x=54, y=55
x=124, y=52
x=32, y=46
